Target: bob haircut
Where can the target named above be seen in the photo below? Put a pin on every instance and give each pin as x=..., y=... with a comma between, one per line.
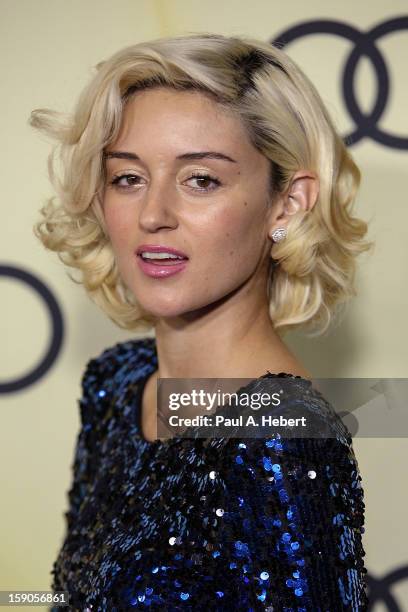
x=312, y=272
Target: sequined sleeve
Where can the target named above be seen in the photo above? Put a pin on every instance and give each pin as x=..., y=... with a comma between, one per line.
x=91, y=406
x=291, y=532
x=81, y=466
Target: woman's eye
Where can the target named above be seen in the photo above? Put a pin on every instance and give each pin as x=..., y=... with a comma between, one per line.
x=130, y=181
x=203, y=180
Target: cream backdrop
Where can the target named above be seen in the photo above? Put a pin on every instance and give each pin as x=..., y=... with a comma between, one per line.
x=48, y=49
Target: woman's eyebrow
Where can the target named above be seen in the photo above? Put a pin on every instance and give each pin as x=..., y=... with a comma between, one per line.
x=189, y=156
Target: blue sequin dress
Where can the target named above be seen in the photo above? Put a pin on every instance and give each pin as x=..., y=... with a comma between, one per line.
x=206, y=523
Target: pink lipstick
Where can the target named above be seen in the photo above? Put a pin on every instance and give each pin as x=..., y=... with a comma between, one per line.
x=160, y=261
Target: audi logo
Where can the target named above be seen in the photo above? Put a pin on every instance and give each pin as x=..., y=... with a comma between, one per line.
x=364, y=45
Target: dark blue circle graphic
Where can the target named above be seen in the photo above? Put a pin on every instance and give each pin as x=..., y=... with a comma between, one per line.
x=56, y=335
x=379, y=589
x=366, y=125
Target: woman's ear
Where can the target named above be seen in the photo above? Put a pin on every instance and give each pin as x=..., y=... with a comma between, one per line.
x=303, y=191
x=302, y=194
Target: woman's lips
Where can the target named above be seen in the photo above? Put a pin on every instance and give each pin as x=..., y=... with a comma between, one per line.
x=161, y=268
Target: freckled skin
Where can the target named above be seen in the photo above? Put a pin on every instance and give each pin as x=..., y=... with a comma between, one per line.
x=168, y=207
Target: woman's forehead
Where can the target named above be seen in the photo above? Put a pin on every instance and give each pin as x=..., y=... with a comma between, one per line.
x=181, y=121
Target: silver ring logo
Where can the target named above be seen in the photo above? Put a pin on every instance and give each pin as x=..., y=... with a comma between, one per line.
x=364, y=45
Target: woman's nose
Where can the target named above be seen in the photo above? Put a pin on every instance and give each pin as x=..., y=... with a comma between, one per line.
x=158, y=205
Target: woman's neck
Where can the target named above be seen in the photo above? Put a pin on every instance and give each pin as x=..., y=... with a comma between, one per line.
x=234, y=351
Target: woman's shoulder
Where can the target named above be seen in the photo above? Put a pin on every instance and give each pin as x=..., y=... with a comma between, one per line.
x=114, y=359
x=325, y=448
x=106, y=373
x=289, y=404
x=320, y=465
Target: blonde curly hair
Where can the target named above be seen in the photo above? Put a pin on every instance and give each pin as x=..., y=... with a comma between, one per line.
x=312, y=272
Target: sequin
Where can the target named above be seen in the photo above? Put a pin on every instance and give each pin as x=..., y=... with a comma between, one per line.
x=262, y=596
x=267, y=464
x=144, y=527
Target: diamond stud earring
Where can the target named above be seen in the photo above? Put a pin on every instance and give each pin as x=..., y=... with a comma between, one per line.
x=279, y=234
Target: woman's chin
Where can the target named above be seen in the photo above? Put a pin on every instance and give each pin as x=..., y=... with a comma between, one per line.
x=163, y=311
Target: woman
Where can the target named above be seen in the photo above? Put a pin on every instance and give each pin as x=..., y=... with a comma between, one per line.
x=206, y=195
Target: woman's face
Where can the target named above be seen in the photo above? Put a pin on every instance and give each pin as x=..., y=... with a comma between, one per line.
x=152, y=197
